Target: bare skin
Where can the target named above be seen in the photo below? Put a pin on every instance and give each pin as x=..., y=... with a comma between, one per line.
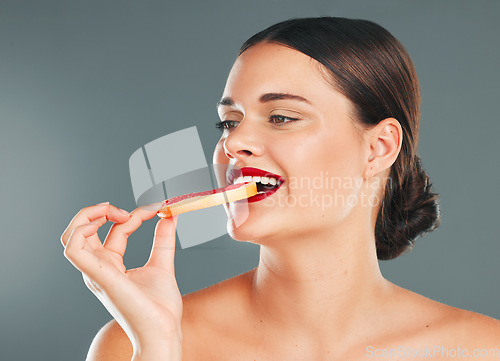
x=317, y=293
x=245, y=337
x=219, y=324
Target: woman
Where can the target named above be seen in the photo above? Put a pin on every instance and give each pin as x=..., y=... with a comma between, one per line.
x=321, y=98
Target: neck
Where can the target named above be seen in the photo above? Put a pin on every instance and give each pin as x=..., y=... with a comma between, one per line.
x=319, y=288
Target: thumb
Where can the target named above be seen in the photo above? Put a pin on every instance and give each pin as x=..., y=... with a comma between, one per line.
x=163, y=251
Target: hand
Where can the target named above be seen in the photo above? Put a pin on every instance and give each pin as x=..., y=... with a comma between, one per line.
x=145, y=301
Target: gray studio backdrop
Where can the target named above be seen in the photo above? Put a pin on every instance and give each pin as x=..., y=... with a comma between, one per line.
x=83, y=84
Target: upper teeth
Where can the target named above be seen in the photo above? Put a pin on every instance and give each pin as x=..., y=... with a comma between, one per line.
x=263, y=180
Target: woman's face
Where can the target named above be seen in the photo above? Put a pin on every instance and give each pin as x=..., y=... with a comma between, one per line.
x=283, y=117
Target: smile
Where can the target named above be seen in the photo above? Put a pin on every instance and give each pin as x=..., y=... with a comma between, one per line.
x=267, y=183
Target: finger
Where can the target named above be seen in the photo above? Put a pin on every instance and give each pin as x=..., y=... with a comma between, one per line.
x=118, y=234
x=90, y=259
x=163, y=251
x=77, y=248
x=99, y=212
x=153, y=206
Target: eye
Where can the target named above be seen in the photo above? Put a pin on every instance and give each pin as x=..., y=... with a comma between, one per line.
x=225, y=125
x=281, y=120
x=277, y=119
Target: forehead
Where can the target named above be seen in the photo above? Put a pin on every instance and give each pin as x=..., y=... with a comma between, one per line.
x=269, y=67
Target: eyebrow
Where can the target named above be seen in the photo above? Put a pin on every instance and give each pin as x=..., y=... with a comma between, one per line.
x=265, y=98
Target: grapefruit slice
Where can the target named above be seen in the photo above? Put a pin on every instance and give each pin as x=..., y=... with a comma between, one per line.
x=194, y=201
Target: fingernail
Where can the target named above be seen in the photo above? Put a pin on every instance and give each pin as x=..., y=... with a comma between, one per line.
x=125, y=212
x=101, y=204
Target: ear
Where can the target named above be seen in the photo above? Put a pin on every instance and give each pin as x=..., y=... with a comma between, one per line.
x=383, y=145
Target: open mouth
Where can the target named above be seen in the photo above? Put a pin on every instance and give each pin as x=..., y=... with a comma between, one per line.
x=264, y=184
x=267, y=183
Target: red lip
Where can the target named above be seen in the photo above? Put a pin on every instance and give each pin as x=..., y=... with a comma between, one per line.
x=250, y=171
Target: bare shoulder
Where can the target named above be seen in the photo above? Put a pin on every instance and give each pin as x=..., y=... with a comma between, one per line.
x=110, y=343
x=207, y=314
x=451, y=325
x=212, y=303
x=473, y=328
x=220, y=295
x=466, y=333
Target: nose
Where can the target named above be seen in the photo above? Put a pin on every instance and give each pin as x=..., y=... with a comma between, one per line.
x=243, y=143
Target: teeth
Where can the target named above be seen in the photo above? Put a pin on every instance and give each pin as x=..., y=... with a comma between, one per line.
x=256, y=179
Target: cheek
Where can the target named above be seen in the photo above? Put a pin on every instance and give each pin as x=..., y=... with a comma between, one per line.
x=315, y=154
x=219, y=156
x=342, y=151
x=220, y=164
x=323, y=173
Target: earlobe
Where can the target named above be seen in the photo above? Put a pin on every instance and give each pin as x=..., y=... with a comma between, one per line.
x=385, y=140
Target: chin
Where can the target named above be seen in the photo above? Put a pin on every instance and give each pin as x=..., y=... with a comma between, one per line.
x=257, y=230
x=239, y=236
x=244, y=227
x=242, y=231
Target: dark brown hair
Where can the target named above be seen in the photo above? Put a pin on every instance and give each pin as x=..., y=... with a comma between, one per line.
x=373, y=70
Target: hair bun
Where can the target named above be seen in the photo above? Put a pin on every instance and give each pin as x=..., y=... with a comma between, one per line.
x=409, y=210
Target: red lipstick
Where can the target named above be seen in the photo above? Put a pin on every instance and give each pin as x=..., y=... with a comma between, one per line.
x=264, y=190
